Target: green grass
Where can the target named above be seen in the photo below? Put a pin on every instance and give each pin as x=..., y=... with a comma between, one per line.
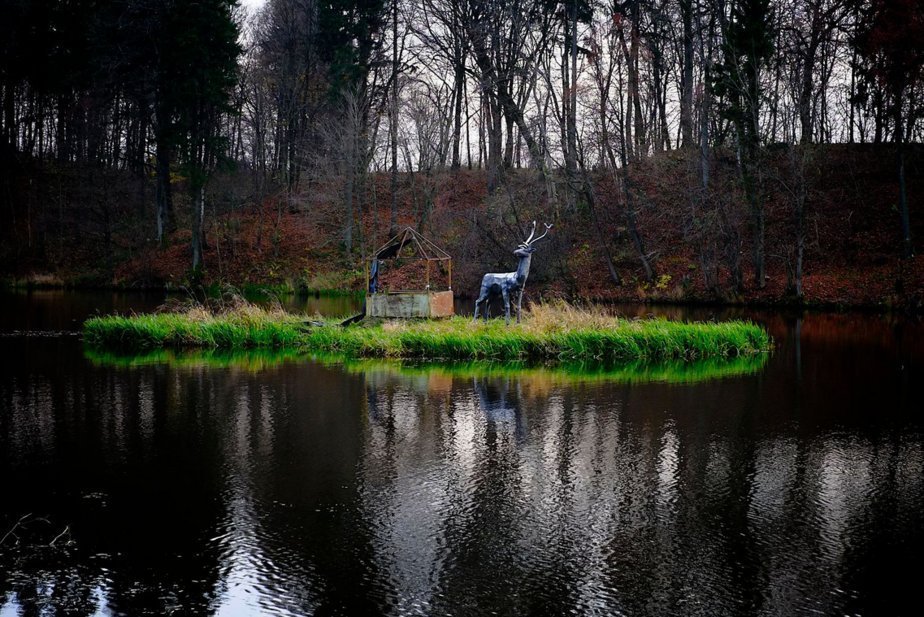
x=559, y=333
x=230, y=331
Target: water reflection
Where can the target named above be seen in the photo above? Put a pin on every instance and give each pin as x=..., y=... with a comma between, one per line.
x=633, y=499
x=285, y=485
x=255, y=360
x=672, y=372
x=249, y=360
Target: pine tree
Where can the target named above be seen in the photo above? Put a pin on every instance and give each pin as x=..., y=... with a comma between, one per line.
x=350, y=33
x=198, y=71
x=747, y=46
x=892, y=60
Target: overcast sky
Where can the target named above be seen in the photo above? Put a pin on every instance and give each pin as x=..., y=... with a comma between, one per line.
x=252, y=4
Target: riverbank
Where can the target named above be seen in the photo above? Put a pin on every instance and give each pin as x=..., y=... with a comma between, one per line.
x=548, y=332
x=289, y=293
x=212, y=290
x=63, y=230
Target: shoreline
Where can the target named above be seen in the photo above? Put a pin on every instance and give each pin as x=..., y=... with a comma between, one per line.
x=250, y=290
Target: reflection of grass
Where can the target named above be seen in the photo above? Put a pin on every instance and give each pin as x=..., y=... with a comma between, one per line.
x=252, y=360
x=675, y=372
x=549, y=333
x=255, y=360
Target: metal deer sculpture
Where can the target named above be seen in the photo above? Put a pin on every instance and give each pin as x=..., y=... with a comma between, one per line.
x=507, y=283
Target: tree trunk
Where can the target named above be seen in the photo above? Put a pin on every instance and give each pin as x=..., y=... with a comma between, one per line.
x=805, y=93
x=634, y=93
x=348, y=223
x=572, y=95
x=508, y=144
x=495, y=144
x=598, y=229
x=166, y=221
x=686, y=78
x=198, y=199
x=393, y=122
x=632, y=225
x=502, y=96
x=631, y=219
x=797, y=161
x=748, y=130
x=565, y=114
x=457, y=115
x=746, y=169
x=853, y=90
x=907, y=247
x=9, y=133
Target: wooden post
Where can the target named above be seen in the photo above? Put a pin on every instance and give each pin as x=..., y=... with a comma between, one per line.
x=450, y=275
x=428, y=275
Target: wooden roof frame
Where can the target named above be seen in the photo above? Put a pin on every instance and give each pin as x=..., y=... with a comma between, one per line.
x=425, y=248
x=426, y=251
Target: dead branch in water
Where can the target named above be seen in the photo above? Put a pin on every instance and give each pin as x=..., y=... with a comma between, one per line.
x=13, y=529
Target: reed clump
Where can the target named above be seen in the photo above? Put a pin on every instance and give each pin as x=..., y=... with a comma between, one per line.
x=223, y=323
x=549, y=331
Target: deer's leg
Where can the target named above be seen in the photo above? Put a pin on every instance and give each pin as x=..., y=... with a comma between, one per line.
x=506, y=305
x=477, y=303
x=519, y=304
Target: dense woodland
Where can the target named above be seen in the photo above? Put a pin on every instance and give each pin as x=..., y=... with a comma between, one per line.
x=700, y=148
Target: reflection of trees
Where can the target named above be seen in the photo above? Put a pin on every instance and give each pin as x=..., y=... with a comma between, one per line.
x=307, y=540
x=193, y=488
x=643, y=499
x=101, y=452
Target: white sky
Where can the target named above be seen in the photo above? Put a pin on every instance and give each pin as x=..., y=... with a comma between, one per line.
x=252, y=5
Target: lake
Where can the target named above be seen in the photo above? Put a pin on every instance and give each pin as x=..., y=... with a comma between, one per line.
x=279, y=484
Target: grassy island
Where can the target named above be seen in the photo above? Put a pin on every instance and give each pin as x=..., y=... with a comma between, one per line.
x=548, y=332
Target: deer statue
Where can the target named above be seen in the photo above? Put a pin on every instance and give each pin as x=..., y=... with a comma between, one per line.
x=507, y=283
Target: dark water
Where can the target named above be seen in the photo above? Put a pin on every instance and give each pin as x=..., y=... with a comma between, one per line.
x=278, y=485
x=63, y=311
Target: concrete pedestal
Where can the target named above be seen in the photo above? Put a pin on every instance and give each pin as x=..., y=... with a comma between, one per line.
x=410, y=304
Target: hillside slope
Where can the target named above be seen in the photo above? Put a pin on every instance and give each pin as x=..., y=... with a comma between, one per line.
x=76, y=226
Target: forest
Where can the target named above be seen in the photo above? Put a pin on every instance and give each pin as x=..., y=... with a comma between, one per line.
x=707, y=150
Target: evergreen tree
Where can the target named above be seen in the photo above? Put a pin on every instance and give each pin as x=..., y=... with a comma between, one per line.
x=889, y=43
x=199, y=71
x=747, y=46
x=351, y=31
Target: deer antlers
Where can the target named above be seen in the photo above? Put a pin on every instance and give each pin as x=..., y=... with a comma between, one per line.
x=529, y=241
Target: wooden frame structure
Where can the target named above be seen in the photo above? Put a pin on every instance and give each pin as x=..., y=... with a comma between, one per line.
x=409, y=303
